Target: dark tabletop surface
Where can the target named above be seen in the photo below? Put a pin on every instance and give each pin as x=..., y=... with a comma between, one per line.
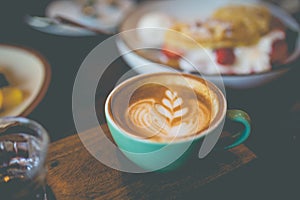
x=274, y=109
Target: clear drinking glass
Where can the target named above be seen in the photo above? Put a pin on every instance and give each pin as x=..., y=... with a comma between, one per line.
x=23, y=150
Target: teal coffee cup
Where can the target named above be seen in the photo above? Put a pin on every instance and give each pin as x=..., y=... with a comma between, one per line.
x=157, y=120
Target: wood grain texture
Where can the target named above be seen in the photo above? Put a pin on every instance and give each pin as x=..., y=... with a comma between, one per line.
x=73, y=173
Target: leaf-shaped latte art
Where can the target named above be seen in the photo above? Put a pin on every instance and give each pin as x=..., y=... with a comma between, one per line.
x=168, y=117
x=171, y=107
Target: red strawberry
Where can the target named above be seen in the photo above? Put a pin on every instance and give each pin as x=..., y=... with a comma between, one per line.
x=279, y=52
x=171, y=54
x=225, y=56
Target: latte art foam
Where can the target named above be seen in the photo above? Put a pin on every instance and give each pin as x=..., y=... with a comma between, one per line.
x=168, y=118
x=164, y=107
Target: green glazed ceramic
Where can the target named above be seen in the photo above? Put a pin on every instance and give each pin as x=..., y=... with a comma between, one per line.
x=153, y=155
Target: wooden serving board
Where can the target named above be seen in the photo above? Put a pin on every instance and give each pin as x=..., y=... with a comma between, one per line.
x=73, y=173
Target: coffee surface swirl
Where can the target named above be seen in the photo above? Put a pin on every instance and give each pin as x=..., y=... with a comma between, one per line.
x=163, y=109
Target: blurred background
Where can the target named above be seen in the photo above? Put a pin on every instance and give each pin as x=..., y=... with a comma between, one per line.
x=274, y=107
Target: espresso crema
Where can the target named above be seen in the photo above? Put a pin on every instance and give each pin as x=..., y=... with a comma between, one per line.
x=164, y=107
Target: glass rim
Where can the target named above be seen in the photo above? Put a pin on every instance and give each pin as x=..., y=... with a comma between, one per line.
x=38, y=128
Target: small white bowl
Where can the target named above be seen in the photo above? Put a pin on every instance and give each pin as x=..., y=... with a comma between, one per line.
x=193, y=9
x=27, y=70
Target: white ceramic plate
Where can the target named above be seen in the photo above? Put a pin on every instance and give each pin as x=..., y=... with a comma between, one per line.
x=27, y=70
x=107, y=19
x=195, y=9
x=49, y=25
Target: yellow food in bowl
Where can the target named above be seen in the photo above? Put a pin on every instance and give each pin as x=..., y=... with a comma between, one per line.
x=10, y=96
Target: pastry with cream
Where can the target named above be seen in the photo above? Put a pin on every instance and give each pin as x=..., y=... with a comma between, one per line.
x=251, y=40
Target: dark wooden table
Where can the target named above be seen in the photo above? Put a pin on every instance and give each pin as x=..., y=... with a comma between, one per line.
x=74, y=174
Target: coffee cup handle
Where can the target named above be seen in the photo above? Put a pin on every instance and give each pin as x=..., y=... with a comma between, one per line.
x=243, y=118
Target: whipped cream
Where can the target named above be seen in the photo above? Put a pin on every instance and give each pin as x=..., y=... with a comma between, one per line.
x=250, y=59
x=204, y=29
x=151, y=28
